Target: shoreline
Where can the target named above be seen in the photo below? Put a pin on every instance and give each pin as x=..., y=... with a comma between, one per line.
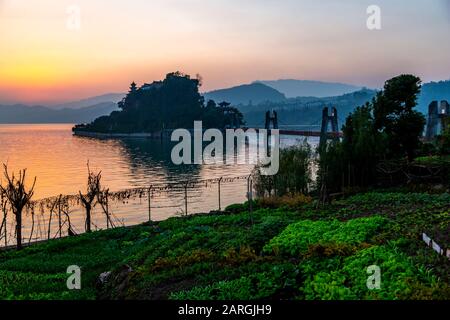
x=93, y=134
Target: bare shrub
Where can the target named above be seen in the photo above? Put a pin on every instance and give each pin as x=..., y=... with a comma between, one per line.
x=17, y=196
x=88, y=200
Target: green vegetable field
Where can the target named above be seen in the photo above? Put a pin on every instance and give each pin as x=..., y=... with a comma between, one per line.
x=289, y=252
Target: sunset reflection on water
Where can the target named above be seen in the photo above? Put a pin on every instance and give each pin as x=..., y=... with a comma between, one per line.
x=59, y=161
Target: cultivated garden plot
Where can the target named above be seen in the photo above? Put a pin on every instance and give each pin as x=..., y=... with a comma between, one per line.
x=292, y=252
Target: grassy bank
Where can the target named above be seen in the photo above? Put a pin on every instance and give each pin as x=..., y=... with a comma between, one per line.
x=283, y=250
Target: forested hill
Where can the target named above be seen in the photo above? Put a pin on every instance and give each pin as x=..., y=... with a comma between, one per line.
x=255, y=93
x=306, y=88
x=306, y=110
x=172, y=103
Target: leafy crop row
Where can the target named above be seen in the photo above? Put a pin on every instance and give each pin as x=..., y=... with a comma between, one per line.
x=297, y=237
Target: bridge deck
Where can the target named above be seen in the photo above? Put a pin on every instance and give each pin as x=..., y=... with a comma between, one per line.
x=305, y=133
x=309, y=133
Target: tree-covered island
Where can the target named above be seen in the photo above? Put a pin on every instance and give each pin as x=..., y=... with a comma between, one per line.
x=172, y=103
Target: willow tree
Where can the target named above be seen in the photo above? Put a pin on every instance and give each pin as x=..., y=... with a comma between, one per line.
x=17, y=196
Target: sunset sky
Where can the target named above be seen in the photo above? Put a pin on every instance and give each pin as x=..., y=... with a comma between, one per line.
x=228, y=42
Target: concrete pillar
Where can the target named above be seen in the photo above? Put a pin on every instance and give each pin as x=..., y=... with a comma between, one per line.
x=334, y=123
x=275, y=120
x=271, y=118
x=445, y=108
x=444, y=114
x=324, y=128
x=267, y=122
x=433, y=119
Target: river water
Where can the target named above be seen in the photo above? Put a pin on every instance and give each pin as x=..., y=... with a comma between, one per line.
x=58, y=160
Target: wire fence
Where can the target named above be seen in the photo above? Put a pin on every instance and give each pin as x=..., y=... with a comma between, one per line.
x=64, y=215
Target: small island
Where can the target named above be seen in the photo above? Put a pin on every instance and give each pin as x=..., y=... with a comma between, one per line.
x=162, y=106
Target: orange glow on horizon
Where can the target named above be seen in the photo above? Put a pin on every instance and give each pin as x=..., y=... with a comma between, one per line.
x=227, y=42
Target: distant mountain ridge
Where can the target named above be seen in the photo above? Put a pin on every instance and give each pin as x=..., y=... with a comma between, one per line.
x=39, y=114
x=250, y=98
x=307, y=111
x=254, y=93
x=292, y=88
x=91, y=101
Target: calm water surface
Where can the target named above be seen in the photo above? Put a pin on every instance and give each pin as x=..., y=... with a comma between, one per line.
x=58, y=160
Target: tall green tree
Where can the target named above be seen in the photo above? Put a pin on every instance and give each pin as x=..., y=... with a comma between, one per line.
x=388, y=128
x=362, y=147
x=394, y=115
x=444, y=141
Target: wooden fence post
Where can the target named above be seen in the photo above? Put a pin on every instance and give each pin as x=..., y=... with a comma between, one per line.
x=185, y=200
x=107, y=208
x=59, y=215
x=220, y=207
x=150, y=204
x=6, y=232
x=49, y=224
x=251, y=200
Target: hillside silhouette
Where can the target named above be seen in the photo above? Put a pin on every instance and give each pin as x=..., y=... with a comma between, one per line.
x=39, y=114
x=254, y=93
x=172, y=103
x=306, y=88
